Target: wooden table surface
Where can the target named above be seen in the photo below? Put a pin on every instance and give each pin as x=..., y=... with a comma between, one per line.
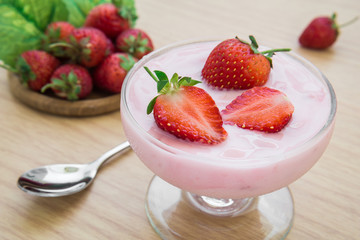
x=327, y=198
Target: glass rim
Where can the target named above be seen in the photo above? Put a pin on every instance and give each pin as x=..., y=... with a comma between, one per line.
x=248, y=162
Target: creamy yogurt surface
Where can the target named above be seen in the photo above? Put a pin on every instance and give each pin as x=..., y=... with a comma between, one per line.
x=307, y=93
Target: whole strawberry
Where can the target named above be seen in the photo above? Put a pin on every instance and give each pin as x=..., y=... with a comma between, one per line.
x=87, y=46
x=186, y=111
x=112, y=18
x=236, y=64
x=71, y=82
x=134, y=41
x=260, y=108
x=56, y=32
x=110, y=74
x=321, y=33
x=35, y=68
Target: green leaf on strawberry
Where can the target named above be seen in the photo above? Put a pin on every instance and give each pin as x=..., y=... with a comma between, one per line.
x=127, y=62
x=164, y=86
x=268, y=54
x=67, y=83
x=136, y=44
x=127, y=10
x=26, y=74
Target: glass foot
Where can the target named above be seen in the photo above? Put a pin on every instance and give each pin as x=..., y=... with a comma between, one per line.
x=176, y=214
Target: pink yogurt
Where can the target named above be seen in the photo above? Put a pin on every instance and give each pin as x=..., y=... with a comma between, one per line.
x=249, y=163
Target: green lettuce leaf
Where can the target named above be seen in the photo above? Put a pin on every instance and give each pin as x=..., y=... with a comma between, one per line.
x=17, y=34
x=40, y=12
x=79, y=9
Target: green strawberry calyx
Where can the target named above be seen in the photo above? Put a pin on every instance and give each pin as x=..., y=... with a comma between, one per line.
x=166, y=86
x=135, y=44
x=268, y=54
x=52, y=37
x=24, y=70
x=127, y=62
x=74, y=50
x=127, y=10
x=68, y=84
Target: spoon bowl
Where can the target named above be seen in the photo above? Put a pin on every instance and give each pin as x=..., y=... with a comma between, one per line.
x=64, y=179
x=56, y=180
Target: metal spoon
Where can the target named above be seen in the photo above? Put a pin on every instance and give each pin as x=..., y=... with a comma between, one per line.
x=64, y=179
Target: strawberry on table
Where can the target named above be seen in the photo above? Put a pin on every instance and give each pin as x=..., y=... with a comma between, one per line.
x=110, y=74
x=35, y=68
x=236, y=64
x=186, y=111
x=260, y=108
x=321, y=33
x=70, y=81
x=112, y=18
x=134, y=41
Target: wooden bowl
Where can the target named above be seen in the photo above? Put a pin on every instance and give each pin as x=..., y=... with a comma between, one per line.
x=95, y=104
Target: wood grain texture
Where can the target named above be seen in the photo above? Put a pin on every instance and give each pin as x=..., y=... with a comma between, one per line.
x=326, y=198
x=95, y=104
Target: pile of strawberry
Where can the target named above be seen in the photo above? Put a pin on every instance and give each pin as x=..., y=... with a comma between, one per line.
x=190, y=113
x=74, y=61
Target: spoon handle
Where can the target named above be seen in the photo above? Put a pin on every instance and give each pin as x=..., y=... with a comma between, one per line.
x=109, y=154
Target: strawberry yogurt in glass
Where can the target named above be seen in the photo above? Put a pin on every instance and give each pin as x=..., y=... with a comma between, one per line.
x=248, y=163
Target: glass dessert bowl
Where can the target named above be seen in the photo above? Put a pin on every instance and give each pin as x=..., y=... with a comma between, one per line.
x=238, y=188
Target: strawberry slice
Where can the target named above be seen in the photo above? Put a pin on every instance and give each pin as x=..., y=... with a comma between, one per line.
x=259, y=108
x=186, y=111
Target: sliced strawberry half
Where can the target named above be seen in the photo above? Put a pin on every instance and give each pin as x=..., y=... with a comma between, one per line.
x=186, y=111
x=259, y=108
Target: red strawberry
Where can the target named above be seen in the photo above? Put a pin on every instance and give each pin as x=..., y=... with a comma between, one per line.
x=259, y=108
x=186, y=111
x=59, y=30
x=35, y=68
x=56, y=32
x=112, y=19
x=88, y=46
x=236, y=64
x=110, y=74
x=134, y=41
x=321, y=33
x=70, y=81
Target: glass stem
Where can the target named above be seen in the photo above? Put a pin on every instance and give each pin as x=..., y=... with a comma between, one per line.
x=218, y=206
